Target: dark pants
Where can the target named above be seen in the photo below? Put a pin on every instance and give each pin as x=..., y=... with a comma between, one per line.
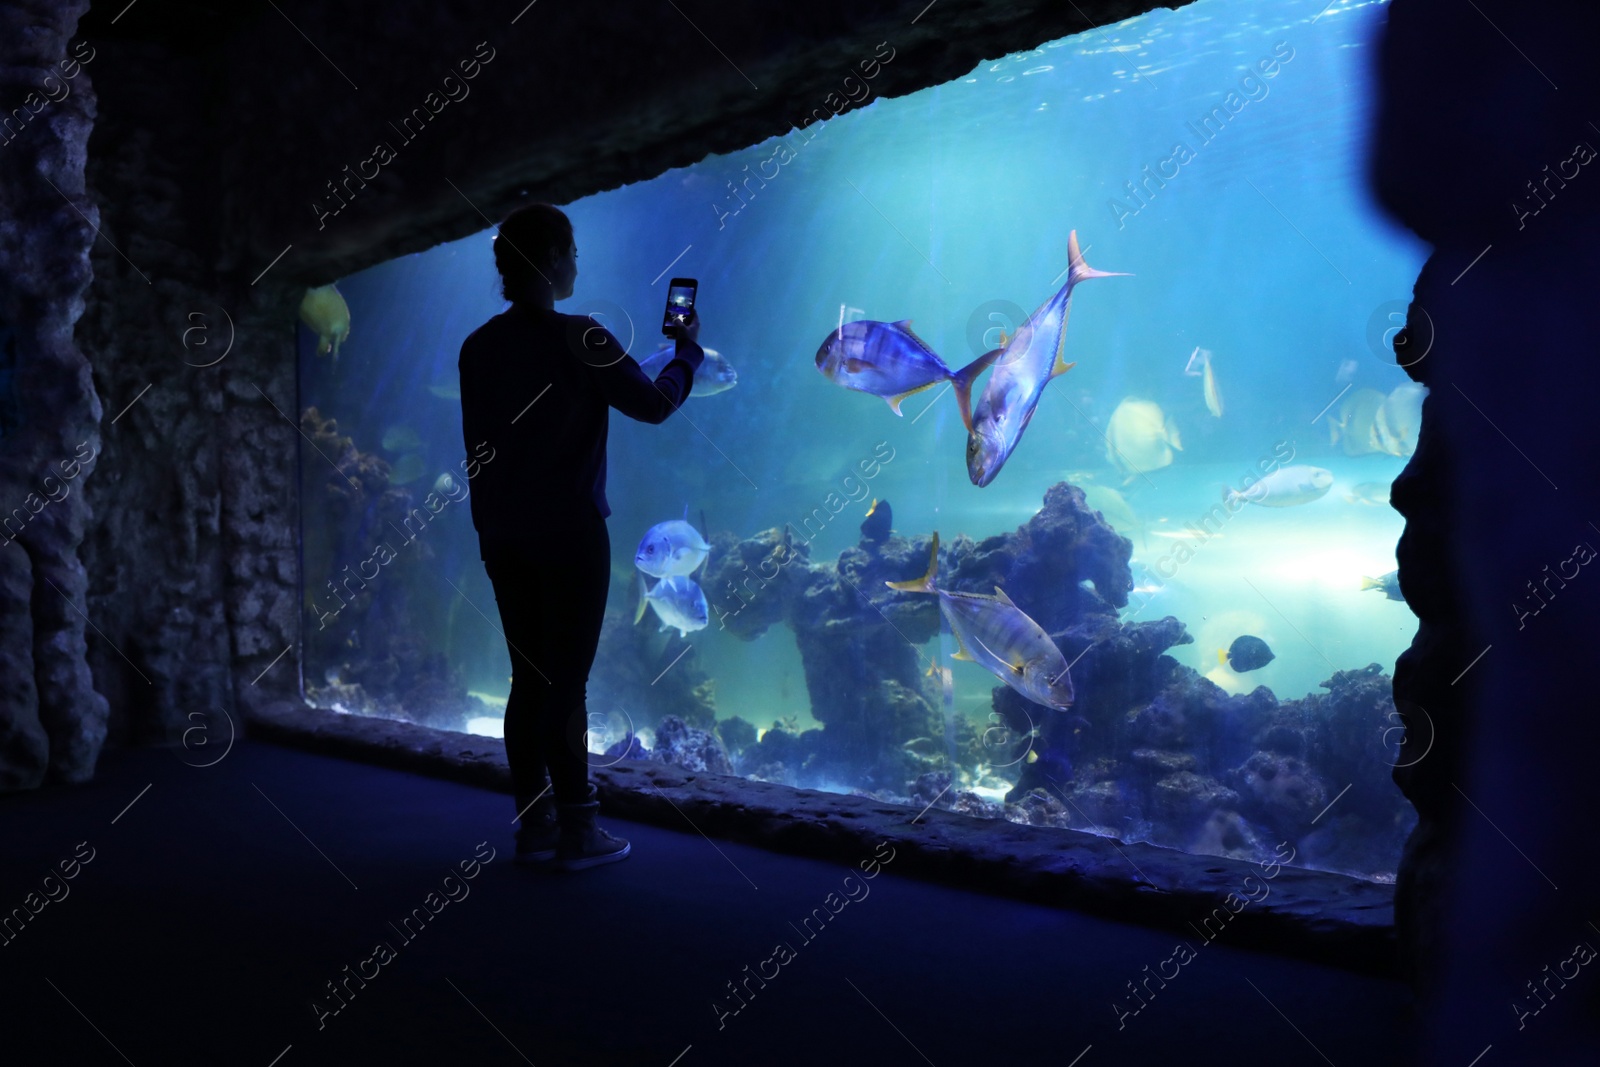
x=551, y=589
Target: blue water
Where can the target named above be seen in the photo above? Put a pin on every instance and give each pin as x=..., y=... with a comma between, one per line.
x=952, y=207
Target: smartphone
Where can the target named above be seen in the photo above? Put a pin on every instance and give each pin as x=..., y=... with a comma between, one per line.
x=680, y=303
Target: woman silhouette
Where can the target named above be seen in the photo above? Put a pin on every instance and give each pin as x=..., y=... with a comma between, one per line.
x=538, y=386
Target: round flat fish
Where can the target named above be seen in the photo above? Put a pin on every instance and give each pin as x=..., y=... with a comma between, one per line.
x=401, y=439
x=671, y=548
x=1399, y=419
x=1140, y=438
x=716, y=374
x=679, y=603
x=1355, y=429
x=407, y=469
x=1248, y=653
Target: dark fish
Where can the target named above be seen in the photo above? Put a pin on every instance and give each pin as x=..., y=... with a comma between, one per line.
x=1389, y=583
x=1246, y=654
x=876, y=526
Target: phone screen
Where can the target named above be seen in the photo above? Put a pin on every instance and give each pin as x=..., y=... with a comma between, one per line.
x=680, y=302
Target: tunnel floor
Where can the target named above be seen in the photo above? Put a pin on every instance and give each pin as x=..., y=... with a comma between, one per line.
x=211, y=907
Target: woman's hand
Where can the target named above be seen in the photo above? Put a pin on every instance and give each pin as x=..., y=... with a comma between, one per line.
x=689, y=328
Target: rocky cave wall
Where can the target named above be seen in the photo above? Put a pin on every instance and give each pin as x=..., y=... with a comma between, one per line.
x=1499, y=877
x=207, y=166
x=52, y=720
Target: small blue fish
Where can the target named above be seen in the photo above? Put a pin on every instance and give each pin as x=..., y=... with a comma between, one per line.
x=1022, y=368
x=671, y=548
x=716, y=374
x=1247, y=653
x=887, y=360
x=678, y=602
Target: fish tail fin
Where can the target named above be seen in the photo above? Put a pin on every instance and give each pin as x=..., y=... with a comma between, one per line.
x=925, y=583
x=962, y=381
x=1078, y=269
x=1370, y=583
x=638, y=612
x=1222, y=657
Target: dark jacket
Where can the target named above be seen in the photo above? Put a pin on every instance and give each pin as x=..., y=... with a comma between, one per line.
x=538, y=386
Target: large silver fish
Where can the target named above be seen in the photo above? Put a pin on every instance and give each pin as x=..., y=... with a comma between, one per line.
x=1022, y=368
x=671, y=548
x=887, y=360
x=678, y=602
x=998, y=635
x=716, y=374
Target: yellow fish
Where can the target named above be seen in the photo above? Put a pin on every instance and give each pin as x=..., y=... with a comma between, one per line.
x=1140, y=438
x=325, y=311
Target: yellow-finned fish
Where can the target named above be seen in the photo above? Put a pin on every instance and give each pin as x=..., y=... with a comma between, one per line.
x=325, y=311
x=887, y=360
x=879, y=522
x=1208, y=379
x=1001, y=638
x=1023, y=366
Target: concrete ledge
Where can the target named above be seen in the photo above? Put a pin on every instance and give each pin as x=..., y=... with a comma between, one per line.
x=1325, y=918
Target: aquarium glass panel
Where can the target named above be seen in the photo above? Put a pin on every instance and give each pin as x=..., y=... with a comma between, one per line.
x=1164, y=607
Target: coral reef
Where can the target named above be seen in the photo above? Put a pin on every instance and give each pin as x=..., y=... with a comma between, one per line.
x=373, y=630
x=1151, y=750
x=676, y=743
x=645, y=676
x=684, y=746
x=860, y=642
